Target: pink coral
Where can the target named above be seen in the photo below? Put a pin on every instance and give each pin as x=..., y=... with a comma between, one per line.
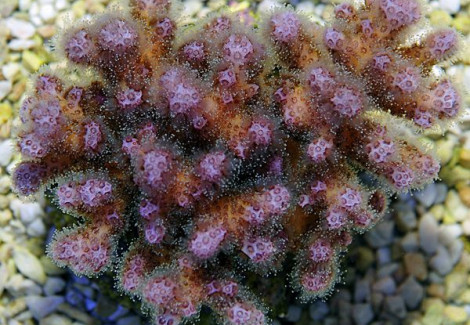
x=197, y=149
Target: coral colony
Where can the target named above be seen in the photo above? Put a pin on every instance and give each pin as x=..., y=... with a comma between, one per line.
x=192, y=152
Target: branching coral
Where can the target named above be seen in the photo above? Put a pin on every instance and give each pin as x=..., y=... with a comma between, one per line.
x=200, y=147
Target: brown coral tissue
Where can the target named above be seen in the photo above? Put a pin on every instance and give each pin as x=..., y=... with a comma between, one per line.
x=193, y=154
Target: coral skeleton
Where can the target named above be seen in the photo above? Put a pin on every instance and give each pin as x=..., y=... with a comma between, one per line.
x=192, y=154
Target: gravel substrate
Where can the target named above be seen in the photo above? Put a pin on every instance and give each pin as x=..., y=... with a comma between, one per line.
x=412, y=268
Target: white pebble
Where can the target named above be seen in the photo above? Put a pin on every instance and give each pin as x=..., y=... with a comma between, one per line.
x=26, y=211
x=47, y=12
x=6, y=148
x=10, y=70
x=17, y=44
x=24, y=5
x=61, y=4
x=451, y=6
x=306, y=7
x=18, y=286
x=36, y=228
x=5, y=88
x=449, y=233
x=20, y=28
x=29, y=265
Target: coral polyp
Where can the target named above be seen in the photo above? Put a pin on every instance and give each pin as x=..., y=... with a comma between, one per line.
x=193, y=154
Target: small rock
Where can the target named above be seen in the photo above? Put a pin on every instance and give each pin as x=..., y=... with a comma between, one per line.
x=21, y=44
x=191, y=7
x=293, y=313
x=362, y=290
x=76, y=314
x=464, y=193
x=47, y=12
x=130, y=320
x=4, y=274
x=53, y=285
x=441, y=262
x=318, y=310
x=409, y=242
x=46, y=31
x=415, y=265
x=455, y=283
x=26, y=211
x=24, y=5
x=362, y=314
x=455, y=206
x=306, y=7
x=395, y=305
x=449, y=233
x=32, y=61
x=385, y=285
x=5, y=88
x=436, y=290
x=14, y=307
x=428, y=233
x=381, y=235
x=19, y=28
x=433, y=311
x=5, y=217
x=451, y=6
x=61, y=4
x=427, y=196
x=40, y=307
x=29, y=265
x=36, y=228
x=406, y=220
x=5, y=184
x=455, y=313
x=387, y=270
x=383, y=255
x=412, y=292
x=10, y=70
x=55, y=319
x=441, y=189
x=18, y=286
x=455, y=250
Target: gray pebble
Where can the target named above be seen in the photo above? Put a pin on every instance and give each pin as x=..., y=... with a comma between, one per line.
x=387, y=270
x=395, y=305
x=129, y=320
x=385, y=285
x=427, y=196
x=318, y=310
x=40, y=307
x=293, y=313
x=362, y=314
x=409, y=242
x=53, y=285
x=381, y=235
x=383, y=255
x=428, y=233
x=441, y=189
x=412, y=292
x=362, y=290
x=406, y=220
x=441, y=262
